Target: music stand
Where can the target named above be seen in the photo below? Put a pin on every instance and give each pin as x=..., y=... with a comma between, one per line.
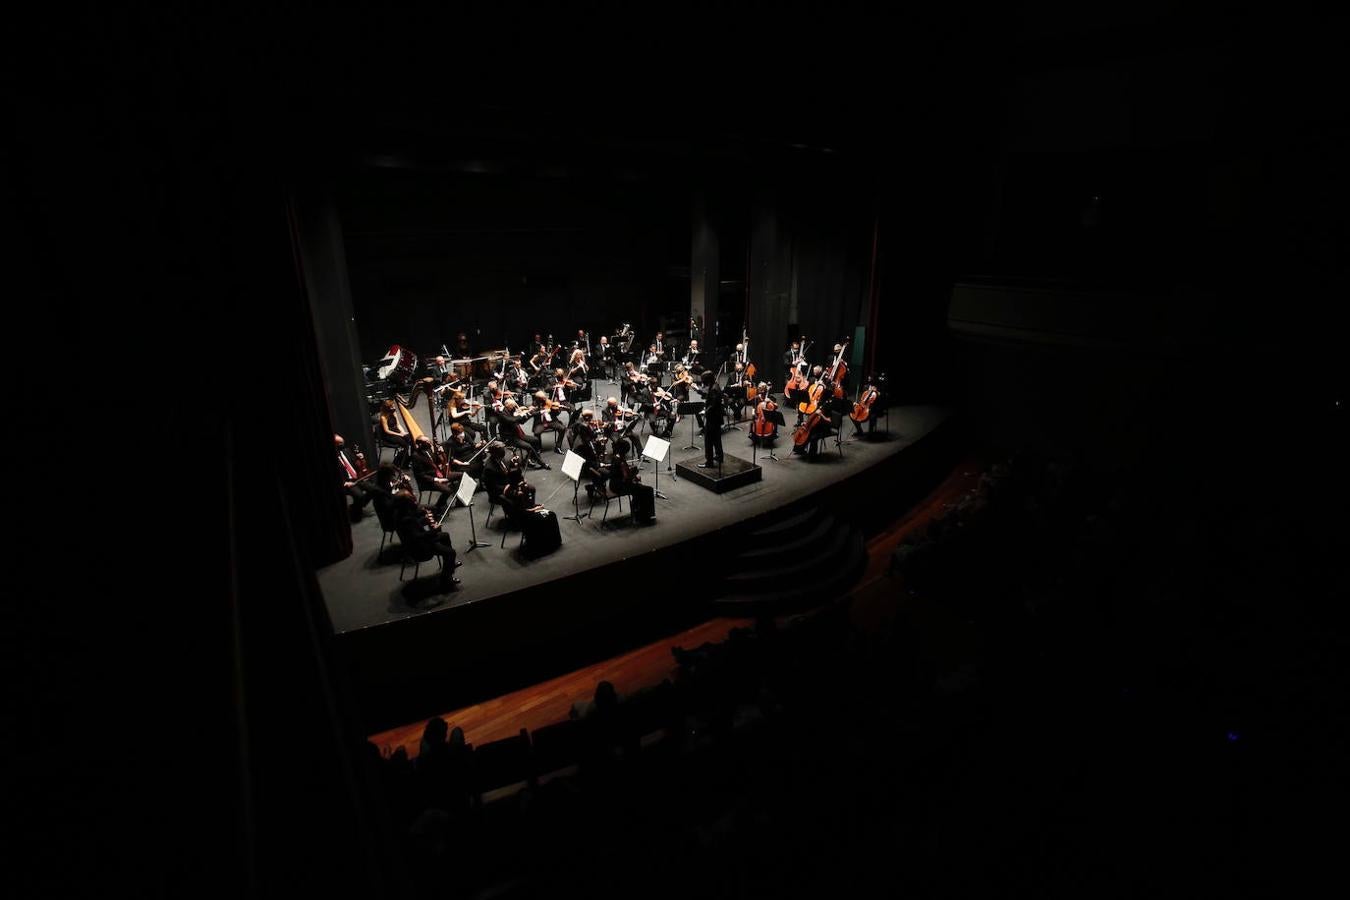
x=776, y=417
x=571, y=467
x=691, y=408
x=656, y=450
x=464, y=495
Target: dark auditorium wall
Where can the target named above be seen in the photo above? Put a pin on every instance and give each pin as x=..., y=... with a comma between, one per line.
x=502, y=254
x=1153, y=262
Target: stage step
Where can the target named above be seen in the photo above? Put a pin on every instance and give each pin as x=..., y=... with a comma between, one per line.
x=764, y=574
x=778, y=530
x=789, y=543
x=846, y=569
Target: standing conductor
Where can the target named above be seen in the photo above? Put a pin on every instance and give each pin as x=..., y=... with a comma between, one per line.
x=712, y=421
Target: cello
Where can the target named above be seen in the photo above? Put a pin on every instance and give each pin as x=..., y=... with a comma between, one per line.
x=863, y=408
x=762, y=427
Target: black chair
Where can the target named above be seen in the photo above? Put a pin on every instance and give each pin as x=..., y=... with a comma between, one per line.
x=417, y=553
x=608, y=495
x=384, y=511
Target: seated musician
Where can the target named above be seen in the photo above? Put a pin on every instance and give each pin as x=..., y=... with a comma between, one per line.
x=651, y=361
x=562, y=390
x=630, y=379
x=347, y=478
x=869, y=393
x=496, y=470
x=513, y=432
x=416, y=527
x=817, y=373
x=548, y=419
x=392, y=431
x=603, y=356
x=581, y=425
x=830, y=423
x=693, y=362
x=577, y=372
x=735, y=390
x=765, y=404
x=464, y=454
x=588, y=448
x=432, y=476
x=462, y=348
x=625, y=479
x=616, y=419
x=518, y=496
x=461, y=413
x=680, y=382
x=661, y=417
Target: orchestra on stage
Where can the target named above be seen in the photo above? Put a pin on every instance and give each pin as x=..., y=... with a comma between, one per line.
x=496, y=414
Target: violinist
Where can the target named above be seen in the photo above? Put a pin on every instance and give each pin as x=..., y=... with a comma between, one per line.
x=464, y=454
x=866, y=408
x=587, y=447
x=548, y=417
x=461, y=413
x=513, y=433
x=662, y=413
x=431, y=468
x=562, y=390
x=630, y=379
x=518, y=496
x=496, y=470
x=616, y=418
x=392, y=432
x=347, y=477
x=417, y=527
x=680, y=382
x=625, y=480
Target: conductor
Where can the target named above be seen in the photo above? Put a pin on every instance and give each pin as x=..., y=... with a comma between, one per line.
x=712, y=421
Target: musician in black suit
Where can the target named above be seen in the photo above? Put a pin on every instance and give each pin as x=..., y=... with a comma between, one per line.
x=713, y=412
x=588, y=449
x=416, y=529
x=347, y=479
x=513, y=433
x=432, y=477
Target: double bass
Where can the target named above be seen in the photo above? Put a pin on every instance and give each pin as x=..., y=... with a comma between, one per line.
x=839, y=370
x=796, y=377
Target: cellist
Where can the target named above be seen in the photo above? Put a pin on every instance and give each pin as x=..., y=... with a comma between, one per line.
x=763, y=430
x=866, y=408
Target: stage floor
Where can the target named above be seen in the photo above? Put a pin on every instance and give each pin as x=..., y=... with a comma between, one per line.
x=362, y=593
